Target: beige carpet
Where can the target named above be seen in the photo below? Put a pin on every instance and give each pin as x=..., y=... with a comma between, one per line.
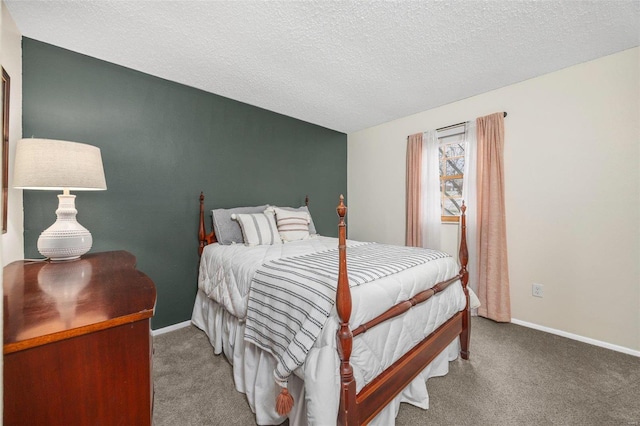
x=516, y=376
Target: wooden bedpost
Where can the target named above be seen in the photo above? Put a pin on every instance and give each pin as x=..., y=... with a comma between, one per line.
x=306, y=201
x=347, y=415
x=463, y=255
x=203, y=237
x=201, y=230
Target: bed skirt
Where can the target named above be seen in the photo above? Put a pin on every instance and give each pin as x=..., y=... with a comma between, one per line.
x=252, y=367
x=316, y=403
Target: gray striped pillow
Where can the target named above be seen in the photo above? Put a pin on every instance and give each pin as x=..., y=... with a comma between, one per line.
x=312, y=227
x=292, y=225
x=258, y=228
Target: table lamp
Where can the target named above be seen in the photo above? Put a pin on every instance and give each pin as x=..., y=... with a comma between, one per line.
x=60, y=165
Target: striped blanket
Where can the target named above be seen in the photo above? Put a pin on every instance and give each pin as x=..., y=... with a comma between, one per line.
x=291, y=298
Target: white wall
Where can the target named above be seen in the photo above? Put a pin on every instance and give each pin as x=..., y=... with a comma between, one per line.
x=11, y=243
x=11, y=59
x=572, y=161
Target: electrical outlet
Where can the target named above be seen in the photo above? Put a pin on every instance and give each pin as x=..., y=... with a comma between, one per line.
x=536, y=290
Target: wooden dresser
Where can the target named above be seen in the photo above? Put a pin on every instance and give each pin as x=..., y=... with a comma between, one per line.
x=77, y=342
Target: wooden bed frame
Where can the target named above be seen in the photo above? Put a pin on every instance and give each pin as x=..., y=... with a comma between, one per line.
x=360, y=408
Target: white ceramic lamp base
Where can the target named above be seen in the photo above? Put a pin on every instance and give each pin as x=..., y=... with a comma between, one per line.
x=66, y=239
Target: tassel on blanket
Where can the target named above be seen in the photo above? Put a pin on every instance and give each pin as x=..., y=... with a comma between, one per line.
x=284, y=402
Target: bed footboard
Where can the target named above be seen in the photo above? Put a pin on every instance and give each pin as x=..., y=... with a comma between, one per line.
x=356, y=409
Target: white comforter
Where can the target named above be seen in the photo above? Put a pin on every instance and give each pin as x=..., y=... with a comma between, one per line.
x=226, y=271
x=225, y=275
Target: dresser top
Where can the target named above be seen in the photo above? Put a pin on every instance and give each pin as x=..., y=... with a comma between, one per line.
x=49, y=301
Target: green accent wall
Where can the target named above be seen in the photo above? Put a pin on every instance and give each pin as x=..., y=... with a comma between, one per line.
x=162, y=143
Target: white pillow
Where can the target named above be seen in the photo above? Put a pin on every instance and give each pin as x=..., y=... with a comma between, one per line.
x=227, y=230
x=292, y=225
x=312, y=227
x=258, y=228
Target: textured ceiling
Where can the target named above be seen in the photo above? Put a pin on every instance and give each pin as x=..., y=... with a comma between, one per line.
x=345, y=65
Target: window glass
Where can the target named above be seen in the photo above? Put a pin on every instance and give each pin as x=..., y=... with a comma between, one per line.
x=451, y=157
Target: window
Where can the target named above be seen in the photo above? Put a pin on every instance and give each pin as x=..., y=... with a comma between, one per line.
x=451, y=159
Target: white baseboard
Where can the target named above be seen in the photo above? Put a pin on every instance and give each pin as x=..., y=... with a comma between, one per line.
x=171, y=328
x=577, y=337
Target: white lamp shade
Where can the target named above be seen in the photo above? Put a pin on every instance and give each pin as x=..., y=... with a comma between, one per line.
x=61, y=165
x=54, y=164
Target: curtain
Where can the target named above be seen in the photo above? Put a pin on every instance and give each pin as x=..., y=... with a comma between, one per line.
x=414, y=188
x=431, y=205
x=469, y=195
x=493, y=274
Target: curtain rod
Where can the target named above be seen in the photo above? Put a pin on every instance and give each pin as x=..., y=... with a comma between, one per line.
x=458, y=124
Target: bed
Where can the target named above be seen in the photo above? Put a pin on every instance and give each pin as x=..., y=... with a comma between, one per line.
x=370, y=349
